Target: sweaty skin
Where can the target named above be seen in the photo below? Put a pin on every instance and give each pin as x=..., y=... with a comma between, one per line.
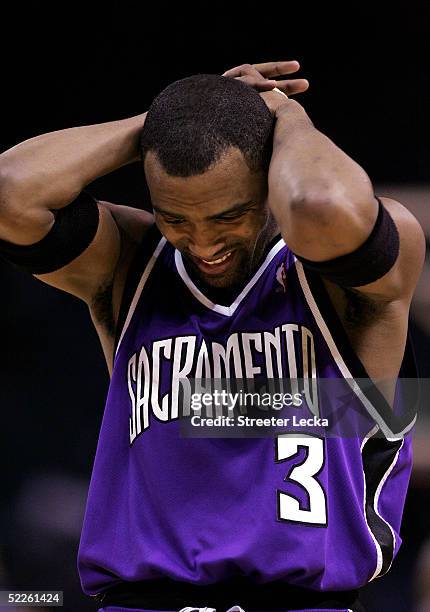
x=321, y=199
x=45, y=173
x=219, y=220
x=228, y=211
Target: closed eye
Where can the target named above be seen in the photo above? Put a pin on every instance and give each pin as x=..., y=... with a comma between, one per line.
x=174, y=221
x=232, y=217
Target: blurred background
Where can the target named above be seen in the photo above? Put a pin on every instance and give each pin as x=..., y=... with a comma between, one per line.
x=69, y=64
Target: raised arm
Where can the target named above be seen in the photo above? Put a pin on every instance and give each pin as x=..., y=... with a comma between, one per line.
x=325, y=205
x=45, y=174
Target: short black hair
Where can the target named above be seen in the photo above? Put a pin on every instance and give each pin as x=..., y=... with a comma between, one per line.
x=192, y=122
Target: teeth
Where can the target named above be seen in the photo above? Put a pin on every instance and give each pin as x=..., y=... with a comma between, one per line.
x=217, y=261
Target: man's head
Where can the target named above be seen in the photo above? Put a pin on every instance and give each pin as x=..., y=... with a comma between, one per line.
x=206, y=147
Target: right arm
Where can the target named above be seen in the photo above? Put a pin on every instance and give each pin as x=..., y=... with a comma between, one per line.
x=44, y=174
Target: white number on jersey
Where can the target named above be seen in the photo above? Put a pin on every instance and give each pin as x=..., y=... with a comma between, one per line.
x=288, y=445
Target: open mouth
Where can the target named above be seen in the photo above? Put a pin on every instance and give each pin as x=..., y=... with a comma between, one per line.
x=215, y=266
x=217, y=261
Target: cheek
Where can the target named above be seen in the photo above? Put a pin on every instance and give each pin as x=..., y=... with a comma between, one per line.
x=168, y=235
x=254, y=224
x=172, y=233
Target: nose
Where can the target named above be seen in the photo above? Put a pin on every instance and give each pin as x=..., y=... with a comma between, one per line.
x=202, y=247
x=205, y=252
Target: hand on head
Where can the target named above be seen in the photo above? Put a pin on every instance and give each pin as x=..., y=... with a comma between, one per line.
x=262, y=77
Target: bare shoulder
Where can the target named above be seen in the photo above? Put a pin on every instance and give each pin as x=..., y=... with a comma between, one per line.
x=375, y=316
x=399, y=282
x=97, y=276
x=402, y=216
x=133, y=221
x=120, y=228
x=132, y=225
x=391, y=294
x=104, y=307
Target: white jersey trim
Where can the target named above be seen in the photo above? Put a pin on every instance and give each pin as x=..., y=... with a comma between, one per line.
x=147, y=271
x=227, y=311
x=379, y=557
x=388, y=433
x=376, y=503
x=383, y=480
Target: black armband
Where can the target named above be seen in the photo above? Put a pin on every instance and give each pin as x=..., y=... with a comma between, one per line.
x=73, y=231
x=372, y=260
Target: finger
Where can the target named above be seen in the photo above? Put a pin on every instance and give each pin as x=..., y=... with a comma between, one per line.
x=293, y=86
x=276, y=69
x=258, y=82
x=239, y=71
x=249, y=75
x=266, y=69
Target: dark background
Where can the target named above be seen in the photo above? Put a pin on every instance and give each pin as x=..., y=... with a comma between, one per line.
x=69, y=64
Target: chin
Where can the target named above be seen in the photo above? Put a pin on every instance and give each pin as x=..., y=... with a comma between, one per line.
x=225, y=281
x=217, y=282
x=230, y=279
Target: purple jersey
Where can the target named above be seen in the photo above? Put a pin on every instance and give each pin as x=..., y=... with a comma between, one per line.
x=320, y=513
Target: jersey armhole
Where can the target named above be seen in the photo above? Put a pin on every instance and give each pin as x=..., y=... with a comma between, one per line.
x=408, y=367
x=138, y=264
x=350, y=364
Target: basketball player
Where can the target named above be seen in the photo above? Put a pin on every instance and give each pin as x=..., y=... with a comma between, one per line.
x=267, y=251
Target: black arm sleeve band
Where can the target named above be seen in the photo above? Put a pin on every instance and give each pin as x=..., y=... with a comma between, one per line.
x=372, y=260
x=73, y=231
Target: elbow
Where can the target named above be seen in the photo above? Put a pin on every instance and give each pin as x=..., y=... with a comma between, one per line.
x=318, y=207
x=319, y=201
x=322, y=203
x=323, y=193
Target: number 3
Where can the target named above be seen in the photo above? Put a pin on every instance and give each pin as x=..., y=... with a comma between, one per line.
x=288, y=445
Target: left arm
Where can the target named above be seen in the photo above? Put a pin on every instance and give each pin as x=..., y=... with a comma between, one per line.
x=324, y=202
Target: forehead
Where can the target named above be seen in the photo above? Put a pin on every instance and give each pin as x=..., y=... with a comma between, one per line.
x=229, y=181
